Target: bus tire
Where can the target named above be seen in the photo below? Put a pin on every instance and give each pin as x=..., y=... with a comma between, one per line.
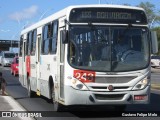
x=30, y=92
x=56, y=105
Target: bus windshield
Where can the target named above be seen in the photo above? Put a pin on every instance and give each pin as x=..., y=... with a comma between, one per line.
x=108, y=48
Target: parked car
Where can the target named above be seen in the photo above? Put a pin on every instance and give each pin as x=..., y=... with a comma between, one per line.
x=7, y=58
x=155, y=61
x=15, y=66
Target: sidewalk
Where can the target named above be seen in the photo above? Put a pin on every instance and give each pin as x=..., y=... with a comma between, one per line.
x=8, y=104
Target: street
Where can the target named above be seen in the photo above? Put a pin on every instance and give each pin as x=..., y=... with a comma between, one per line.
x=19, y=93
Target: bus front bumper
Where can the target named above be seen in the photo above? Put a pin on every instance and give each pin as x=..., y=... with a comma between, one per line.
x=77, y=97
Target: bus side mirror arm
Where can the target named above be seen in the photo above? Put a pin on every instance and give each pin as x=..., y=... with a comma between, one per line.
x=154, y=44
x=64, y=36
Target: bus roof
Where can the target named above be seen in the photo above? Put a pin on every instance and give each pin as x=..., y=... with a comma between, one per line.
x=106, y=5
x=65, y=12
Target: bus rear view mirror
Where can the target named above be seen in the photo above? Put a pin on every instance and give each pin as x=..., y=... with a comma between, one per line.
x=64, y=36
x=154, y=42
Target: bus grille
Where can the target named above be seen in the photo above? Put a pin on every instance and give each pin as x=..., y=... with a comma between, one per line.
x=109, y=97
x=114, y=79
x=104, y=87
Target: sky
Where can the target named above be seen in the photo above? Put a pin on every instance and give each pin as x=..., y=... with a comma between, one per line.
x=17, y=14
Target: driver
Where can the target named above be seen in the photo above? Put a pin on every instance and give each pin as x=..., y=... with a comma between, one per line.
x=121, y=47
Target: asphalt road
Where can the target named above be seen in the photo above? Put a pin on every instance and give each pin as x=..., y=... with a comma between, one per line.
x=155, y=76
x=42, y=104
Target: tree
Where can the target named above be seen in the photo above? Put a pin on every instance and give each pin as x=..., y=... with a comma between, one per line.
x=152, y=14
x=153, y=18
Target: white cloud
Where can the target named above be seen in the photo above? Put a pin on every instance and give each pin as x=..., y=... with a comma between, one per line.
x=4, y=30
x=24, y=14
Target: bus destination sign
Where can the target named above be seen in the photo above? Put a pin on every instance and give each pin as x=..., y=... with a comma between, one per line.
x=108, y=15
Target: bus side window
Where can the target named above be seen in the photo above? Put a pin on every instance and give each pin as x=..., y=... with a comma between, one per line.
x=30, y=42
x=47, y=35
x=33, y=42
x=28, y=46
x=26, y=52
x=54, y=38
x=21, y=45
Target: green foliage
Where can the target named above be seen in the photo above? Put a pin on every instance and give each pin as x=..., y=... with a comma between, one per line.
x=153, y=18
x=152, y=14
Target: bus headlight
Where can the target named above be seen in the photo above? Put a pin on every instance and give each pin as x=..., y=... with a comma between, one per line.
x=141, y=84
x=76, y=84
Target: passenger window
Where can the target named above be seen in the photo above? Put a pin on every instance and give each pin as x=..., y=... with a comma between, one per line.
x=21, y=45
x=33, y=44
x=47, y=34
x=28, y=45
x=54, y=38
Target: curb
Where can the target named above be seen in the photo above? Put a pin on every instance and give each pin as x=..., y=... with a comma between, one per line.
x=14, y=106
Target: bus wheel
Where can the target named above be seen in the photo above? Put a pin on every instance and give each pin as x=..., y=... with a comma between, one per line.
x=30, y=92
x=57, y=106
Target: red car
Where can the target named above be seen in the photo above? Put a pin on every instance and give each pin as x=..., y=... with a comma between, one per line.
x=14, y=66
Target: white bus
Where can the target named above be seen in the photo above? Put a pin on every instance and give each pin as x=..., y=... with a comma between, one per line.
x=89, y=55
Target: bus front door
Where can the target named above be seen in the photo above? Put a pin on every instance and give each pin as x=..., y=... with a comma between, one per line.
x=24, y=77
x=38, y=63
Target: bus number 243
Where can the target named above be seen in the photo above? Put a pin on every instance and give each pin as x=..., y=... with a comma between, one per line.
x=84, y=76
